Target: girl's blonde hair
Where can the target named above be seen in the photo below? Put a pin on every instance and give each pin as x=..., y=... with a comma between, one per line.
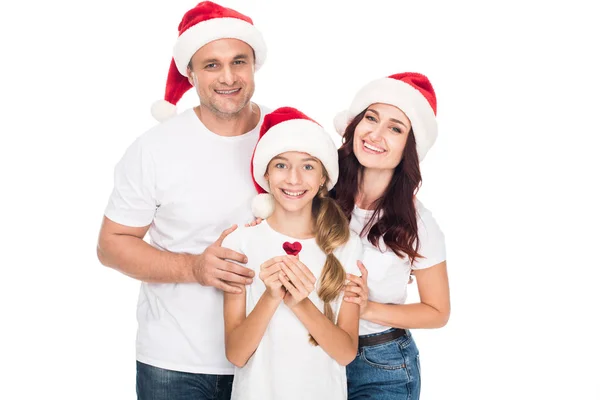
x=331, y=231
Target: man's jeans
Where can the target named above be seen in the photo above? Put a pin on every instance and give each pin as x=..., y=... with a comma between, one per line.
x=161, y=384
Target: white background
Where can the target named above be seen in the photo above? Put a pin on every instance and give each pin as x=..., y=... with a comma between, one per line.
x=512, y=180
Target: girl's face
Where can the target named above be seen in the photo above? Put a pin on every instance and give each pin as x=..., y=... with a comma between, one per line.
x=380, y=137
x=294, y=180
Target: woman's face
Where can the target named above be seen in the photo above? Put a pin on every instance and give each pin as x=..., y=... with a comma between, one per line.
x=380, y=137
x=294, y=180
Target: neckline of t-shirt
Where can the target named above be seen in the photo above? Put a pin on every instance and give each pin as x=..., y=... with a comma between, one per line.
x=367, y=213
x=273, y=231
x=246, y=136
x=362, y=211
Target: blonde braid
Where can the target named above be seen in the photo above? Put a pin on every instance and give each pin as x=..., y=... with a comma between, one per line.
x=332, y=231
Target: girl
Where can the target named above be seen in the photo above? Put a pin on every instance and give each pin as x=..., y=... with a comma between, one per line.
x=387, y=131
x=289, y=333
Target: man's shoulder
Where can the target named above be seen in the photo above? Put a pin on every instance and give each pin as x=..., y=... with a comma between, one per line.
x=240, y=236
x=168, y=130
x=264, y=110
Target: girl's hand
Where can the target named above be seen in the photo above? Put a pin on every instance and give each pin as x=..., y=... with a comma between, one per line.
x=269, y=274
x=254, y=223
x=297, y=279
x=357, y=290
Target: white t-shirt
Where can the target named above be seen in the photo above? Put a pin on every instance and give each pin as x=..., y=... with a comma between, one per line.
x=388, y=273
x=285, y=365
x=190, y=184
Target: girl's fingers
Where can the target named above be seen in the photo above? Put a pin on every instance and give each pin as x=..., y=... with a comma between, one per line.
x=300, y=271
x=270, y=262
x=289, y=286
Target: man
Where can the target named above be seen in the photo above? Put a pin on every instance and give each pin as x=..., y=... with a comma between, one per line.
x=185, y=183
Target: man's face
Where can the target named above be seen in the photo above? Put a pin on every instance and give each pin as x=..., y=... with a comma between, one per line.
x=223, y=74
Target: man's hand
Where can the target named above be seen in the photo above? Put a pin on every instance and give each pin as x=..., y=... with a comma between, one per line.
x=211, y=268
x=254, y=222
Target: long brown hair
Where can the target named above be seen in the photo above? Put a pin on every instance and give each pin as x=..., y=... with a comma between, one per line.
x=331, y=232
x=395, y=216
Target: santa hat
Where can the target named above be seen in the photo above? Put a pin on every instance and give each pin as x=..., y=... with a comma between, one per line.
x=287, y=129
x=201, y=25
x=412, y=93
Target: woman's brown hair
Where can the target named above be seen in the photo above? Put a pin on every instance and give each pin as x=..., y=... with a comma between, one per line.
x=395, y=216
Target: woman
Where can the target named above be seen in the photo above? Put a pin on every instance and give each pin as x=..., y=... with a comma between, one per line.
x=289, y=333
x=387, y=130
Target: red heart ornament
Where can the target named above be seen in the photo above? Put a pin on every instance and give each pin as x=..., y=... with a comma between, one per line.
x=292, y=248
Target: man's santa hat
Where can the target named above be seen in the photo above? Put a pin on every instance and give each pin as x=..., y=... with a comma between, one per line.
x=412, y=93
x=201, y=25
x=287, y=129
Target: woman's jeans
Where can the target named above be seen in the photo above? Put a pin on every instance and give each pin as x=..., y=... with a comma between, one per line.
x=385, y=371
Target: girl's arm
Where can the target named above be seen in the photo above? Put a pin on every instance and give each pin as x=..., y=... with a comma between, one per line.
x=432, y=311
x=339, y=341
x=243, y=334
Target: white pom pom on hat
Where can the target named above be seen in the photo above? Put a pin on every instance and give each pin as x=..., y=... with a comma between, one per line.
x=263, y=205
x=341, y=121
x=199, y=26
x=162, y=110
x=287, y=129
x=412, y=93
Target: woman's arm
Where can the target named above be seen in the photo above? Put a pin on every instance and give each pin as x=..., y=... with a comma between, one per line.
x=243, y=334
x=433, y=310
x=339, y=341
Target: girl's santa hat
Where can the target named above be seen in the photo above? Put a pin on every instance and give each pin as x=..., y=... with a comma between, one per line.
x=287, y=129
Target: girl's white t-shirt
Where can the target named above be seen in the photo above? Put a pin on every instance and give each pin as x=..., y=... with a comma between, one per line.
x=388, y=273
x=285, y=365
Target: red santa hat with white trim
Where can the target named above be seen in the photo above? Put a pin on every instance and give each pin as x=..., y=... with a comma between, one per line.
x=412, y=93
x=287, y=129
x=201, y=25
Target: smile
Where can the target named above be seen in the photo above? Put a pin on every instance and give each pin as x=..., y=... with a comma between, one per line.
x=294, y=194
x=371, y=148
x=232, y=91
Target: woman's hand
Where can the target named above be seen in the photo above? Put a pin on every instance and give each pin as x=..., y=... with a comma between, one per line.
x=269, y=274
x=357, y=291
x=297, y=279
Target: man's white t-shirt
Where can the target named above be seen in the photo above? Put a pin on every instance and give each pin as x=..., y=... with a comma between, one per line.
x=190, y=184
x=388, y=273
x=285, y=365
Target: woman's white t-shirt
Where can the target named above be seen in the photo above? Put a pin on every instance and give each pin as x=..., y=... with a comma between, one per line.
x=388, y=273
x=285, y=365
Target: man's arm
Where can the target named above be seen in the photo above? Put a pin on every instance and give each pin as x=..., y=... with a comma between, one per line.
x=123, y=248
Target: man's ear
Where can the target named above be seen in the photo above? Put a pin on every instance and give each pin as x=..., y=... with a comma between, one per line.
x=191, y=77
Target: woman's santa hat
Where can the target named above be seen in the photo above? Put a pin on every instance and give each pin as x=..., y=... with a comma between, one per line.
x=287, y=129
x=412, y=93
x=201, y=25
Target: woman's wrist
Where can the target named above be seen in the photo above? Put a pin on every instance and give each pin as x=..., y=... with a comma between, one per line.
x=367, y=311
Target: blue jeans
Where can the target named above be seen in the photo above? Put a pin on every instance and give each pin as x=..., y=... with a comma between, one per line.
x=162, y=384
x=386, y=371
